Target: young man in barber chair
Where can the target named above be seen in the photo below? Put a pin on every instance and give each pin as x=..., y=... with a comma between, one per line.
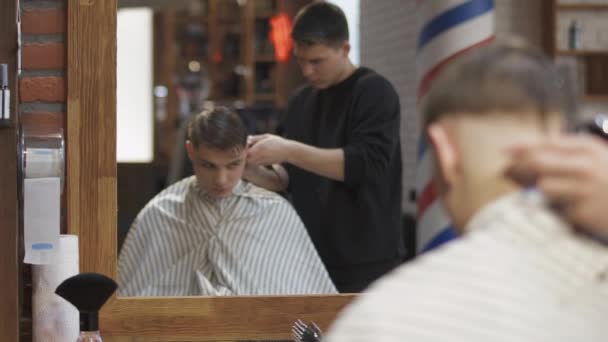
x=214, y=234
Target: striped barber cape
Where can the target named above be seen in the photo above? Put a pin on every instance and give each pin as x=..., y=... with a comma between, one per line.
x=520, y=273
x=250, y=243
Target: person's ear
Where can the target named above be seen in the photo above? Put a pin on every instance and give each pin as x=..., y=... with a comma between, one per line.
x=345, y=48
x=190, y=150
x=446, y=155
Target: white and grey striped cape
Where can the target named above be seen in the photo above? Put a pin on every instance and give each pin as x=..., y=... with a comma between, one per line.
x=520, y=274
x=249, y=243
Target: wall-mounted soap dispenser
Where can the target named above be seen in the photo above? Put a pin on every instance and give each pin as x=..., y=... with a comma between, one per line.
x=5, y=95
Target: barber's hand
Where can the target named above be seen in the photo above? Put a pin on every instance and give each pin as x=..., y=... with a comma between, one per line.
x=250, y=171
x=572, y=173
x=266, y=149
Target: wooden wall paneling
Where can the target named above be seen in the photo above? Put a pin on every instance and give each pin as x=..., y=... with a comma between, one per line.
x=9, y=222
x=165, y=66
x=91, y=132
x=597, y=75
x=548, y=27
x=247, y=43
x=213, y=21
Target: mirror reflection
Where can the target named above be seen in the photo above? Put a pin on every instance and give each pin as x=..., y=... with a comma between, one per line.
x=176, y=58
x=199, y=83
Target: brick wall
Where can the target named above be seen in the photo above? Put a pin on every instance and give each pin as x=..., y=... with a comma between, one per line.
x=42, y=84
x=388, y=32
x=42, y=95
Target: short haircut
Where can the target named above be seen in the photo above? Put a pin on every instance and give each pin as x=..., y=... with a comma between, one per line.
x=219, y=128
x=320, y=23
x=508, y=76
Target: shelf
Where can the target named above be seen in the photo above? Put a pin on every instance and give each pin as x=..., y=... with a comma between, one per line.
x=595, y=98
x=264, y=14
x=587, y=7
x=228, y=62
x=264, y=97
x=265, y=58
x=580, y=53
x=191, y=20
x=228, y=22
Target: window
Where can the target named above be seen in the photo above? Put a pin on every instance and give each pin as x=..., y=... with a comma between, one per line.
x=135, y=117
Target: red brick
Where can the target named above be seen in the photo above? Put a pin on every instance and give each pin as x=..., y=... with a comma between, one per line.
x=43, y=21
x=42, y=122
x=44, y=56
x=48, y=89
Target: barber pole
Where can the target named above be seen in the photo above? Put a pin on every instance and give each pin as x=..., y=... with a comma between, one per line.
x=449, y=28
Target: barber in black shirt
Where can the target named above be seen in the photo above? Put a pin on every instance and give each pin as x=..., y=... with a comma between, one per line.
x=340, y=157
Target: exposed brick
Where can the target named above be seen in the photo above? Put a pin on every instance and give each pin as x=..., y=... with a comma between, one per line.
x=43, y=21
x=46, y=89
x=42, y=122
x=44, y=56
x=388, y=33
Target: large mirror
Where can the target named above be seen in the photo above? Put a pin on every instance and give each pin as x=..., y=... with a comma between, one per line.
x=92, y=211
x=175, y=59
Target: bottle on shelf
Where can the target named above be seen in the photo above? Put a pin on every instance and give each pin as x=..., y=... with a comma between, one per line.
x=574, y=35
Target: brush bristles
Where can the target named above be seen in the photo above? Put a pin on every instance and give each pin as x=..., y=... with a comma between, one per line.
x=88, y=292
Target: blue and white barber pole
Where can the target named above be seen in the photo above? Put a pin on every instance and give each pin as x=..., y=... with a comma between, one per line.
x=449, y=28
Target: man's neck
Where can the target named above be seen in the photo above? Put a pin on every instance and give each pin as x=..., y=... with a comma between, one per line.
x=484, y=164
x=485, y=193
x=349, y=69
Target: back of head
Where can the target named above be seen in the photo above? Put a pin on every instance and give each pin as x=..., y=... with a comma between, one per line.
x=505, y=76
x=218, y=128
x=320, y=23
x=484, y=102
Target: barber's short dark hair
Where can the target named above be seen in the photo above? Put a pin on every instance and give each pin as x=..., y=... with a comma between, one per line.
x=320, y=23
x=508, y=76
x=219, y=128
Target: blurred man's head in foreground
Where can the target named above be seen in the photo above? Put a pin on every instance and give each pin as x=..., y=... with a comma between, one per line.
x=492, y=97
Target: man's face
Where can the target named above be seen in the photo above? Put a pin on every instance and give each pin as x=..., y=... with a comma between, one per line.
x=322, y=65
x=217, y=171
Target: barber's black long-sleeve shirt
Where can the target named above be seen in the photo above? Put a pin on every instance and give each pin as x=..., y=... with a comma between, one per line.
x=357, y=221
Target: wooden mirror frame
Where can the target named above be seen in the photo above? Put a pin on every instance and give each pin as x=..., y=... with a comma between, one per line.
x=92, y=210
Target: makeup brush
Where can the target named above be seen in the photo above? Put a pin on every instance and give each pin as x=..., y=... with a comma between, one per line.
x=88, y=292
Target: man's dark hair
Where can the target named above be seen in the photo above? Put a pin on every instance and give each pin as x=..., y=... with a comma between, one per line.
x=507, y=76
x=219, y=128
x=320, y=23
